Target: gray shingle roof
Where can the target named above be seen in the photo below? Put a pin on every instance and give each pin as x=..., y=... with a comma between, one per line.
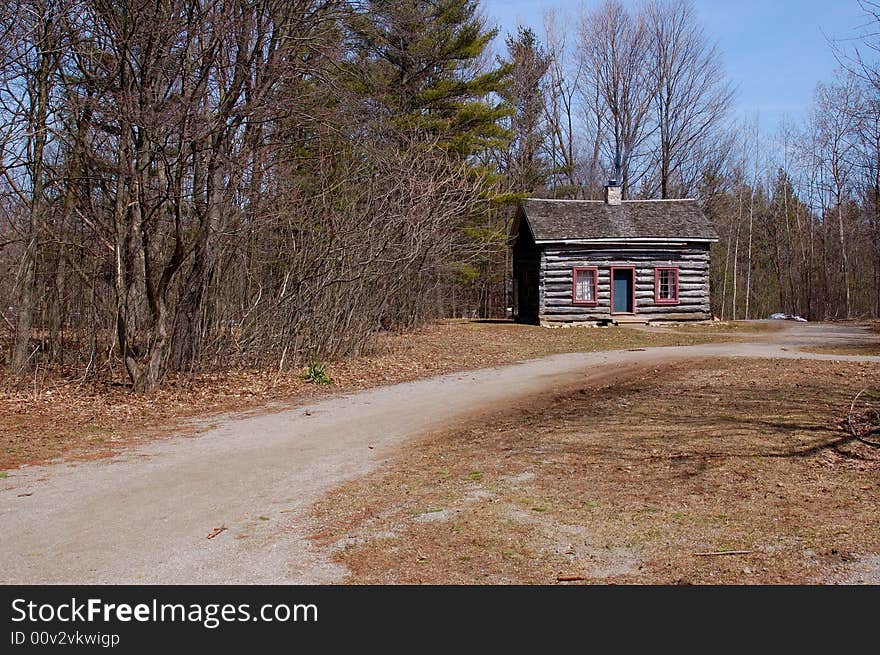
x=557, y=220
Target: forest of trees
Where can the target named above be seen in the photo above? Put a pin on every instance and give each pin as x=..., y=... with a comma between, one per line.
x=190, y=185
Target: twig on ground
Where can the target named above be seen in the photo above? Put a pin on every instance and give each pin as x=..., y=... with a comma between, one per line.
x=213, y=533
x=723, y=552
x=871, y=431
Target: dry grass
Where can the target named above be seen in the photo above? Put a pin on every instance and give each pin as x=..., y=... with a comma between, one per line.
x=872, y=324
x=624, y=483
x=872, y=349
x=61, y=417
x=730, y=327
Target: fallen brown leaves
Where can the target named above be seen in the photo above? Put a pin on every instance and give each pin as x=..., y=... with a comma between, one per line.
x=626, y=482
x=63, y=417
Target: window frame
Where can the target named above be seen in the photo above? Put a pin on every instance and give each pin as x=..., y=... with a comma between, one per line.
x=574, y=280
x=666, y=301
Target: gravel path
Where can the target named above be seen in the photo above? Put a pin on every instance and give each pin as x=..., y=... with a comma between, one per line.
x=144, y=517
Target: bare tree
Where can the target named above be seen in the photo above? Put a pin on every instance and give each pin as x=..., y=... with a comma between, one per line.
x=186, y=185
x=30, y=61
x=869, y=174
x=755, y=163
x=564, y=77
x=834, y=120
x=691, y=97
x=614, y=50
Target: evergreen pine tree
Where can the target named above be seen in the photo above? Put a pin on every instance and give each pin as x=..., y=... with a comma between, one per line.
x=523, y=161
x=418, y=64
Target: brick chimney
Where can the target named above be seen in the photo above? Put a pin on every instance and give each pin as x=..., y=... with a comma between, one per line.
x=613, y=193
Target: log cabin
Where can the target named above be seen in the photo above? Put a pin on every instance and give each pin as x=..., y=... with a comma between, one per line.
x=611, y=261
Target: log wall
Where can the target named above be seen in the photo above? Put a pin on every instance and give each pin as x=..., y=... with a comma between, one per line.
x=555, y=288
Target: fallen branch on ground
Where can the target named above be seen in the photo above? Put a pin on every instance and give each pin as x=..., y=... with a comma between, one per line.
x=213, y=533
x=723, y=552
x=869, y=420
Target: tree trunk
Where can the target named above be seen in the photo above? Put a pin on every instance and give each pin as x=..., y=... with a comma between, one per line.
x=26, y=280
x=844, y=261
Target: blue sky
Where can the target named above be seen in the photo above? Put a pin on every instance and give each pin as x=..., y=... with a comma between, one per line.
x=775, y=51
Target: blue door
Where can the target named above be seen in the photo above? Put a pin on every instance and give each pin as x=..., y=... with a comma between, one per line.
x=623, y=290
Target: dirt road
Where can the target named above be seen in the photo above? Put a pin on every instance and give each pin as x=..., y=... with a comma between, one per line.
x=144, y=517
